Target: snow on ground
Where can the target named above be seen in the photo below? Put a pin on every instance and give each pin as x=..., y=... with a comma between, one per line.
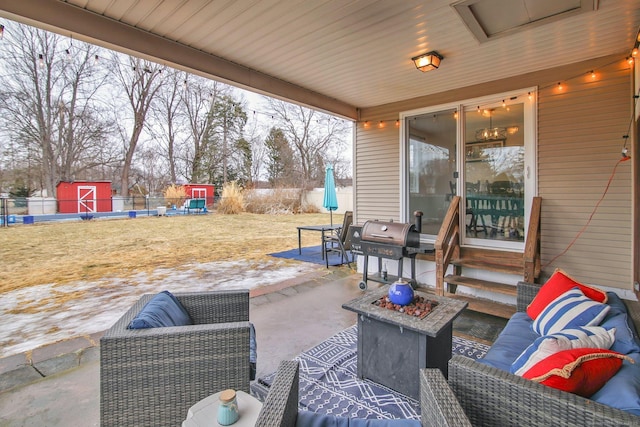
x=45, y=314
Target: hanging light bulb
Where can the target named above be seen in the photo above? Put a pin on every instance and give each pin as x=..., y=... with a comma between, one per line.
x=67, y=52
x=1, y=32
x=530, y=95
x=560, y=86
x=634, y=52
x=455, y=115
x=397, y=123
x=96, y=59
x=504, y=104
x=593, y=75
x=41, y=60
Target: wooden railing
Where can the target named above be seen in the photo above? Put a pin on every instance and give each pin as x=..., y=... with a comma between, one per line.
x=532, y=262
x=447, y=246
x=447, y=243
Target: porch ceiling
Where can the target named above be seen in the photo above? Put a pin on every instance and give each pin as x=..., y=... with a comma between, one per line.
x=334, y=55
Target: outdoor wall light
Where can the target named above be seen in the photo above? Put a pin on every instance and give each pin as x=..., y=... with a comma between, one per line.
x=427, y=61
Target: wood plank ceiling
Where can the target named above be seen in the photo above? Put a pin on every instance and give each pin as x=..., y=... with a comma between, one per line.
x=343, y=55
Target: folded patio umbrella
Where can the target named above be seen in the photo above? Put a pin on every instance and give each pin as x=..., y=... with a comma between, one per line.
x=330, y=199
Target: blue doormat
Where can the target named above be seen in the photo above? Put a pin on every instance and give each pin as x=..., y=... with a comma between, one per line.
x=311, y=254
x=329, y=383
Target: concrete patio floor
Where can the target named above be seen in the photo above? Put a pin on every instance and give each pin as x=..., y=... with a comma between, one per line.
x=289, y=318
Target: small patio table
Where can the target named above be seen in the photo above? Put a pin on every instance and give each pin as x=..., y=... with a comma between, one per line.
x=321, y=228
x=393, y=346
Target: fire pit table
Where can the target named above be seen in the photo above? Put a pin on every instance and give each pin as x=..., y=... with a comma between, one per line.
x=394, y=346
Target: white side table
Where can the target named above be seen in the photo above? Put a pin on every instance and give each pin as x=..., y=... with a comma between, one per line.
x=205, y=412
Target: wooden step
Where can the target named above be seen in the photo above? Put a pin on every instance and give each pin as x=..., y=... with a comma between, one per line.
x=493, y=265
x=486, y=306
x=484, y=285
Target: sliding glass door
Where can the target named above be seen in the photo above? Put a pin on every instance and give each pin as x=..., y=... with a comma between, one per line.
x=480, y=149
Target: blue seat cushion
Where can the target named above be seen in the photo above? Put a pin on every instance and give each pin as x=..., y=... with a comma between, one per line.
x=516, y=336
x=162, y=310
x=311, y=419
x=627, y=340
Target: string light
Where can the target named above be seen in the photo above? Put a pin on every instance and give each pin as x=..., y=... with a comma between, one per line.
x=630, y=60
x=381, y=124
x=398, y=123
x=560, y=86
x=41, y=60
x=530, y=96
x=1, y=32
x=96, y=59
x=593, y=75
x=504, y=104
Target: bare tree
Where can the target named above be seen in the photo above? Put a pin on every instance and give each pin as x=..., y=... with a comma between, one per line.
x=314, y=136
x=169, y=119
x=49, y=107
x=141, y=81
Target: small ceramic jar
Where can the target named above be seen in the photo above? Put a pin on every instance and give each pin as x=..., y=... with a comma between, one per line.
x=228, y=409
x=401, y=292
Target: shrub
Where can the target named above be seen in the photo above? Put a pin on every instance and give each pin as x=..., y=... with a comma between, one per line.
x=277, y=201
x=174, y=195
x=232, y=201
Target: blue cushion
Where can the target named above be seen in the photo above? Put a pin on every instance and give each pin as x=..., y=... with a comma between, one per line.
x=162, y=310
x=516, y=336
x=311, y=419
x=622, y=391
x=570, y=310
x=627, y=340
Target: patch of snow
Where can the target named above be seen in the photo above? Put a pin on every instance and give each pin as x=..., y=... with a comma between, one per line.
x=48, y=313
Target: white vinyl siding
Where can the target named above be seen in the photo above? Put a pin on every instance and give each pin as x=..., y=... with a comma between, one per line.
x=579, y=143
x=377, y=170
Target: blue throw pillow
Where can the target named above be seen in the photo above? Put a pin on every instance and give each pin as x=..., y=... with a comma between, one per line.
x=627, y=340
x=162, y=310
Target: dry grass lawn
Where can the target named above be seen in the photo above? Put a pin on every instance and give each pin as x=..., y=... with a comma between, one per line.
x=63, y=252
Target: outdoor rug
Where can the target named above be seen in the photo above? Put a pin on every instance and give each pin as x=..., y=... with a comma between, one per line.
x=310, y=254
x=329, y=384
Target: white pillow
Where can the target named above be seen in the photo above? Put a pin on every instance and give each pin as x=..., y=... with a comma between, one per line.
x=543, y=347
x=569, y=310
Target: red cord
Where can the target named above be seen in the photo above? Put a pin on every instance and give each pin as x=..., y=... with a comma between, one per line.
x=613, y=174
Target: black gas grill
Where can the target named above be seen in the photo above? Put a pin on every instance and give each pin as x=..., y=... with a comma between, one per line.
x=389, y=240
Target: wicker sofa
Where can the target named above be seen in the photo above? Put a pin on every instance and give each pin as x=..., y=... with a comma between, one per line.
x=150, y=377
x=438, y=404
x=493, y=397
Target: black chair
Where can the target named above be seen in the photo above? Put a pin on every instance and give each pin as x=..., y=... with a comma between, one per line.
x=339, y=240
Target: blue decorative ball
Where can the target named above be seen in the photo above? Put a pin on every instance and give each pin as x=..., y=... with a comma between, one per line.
x=401, y=292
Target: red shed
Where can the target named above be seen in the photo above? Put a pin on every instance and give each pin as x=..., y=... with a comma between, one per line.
x=200, y=191
x=84, y=196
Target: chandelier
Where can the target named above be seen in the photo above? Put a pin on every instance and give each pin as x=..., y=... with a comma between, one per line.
x=491, y=133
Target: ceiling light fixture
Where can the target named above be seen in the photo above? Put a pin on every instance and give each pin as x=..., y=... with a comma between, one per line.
x=427, y=61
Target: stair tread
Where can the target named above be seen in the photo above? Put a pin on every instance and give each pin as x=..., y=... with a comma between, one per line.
x=486, y=306
x=491, y=266
x=488, y=285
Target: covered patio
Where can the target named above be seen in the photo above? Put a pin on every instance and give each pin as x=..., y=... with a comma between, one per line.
x=531, y=102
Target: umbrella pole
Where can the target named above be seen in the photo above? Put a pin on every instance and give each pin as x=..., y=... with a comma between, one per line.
x=331, y=216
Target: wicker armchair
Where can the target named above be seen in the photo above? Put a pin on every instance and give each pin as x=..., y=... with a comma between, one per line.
x=438, y=404
x=150, y=377
x=492, y=397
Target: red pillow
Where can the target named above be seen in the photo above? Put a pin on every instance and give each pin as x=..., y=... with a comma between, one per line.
x=581, y=371
x=558, y=284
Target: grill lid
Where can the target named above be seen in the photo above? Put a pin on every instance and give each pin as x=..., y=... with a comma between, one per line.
x=390, y=233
